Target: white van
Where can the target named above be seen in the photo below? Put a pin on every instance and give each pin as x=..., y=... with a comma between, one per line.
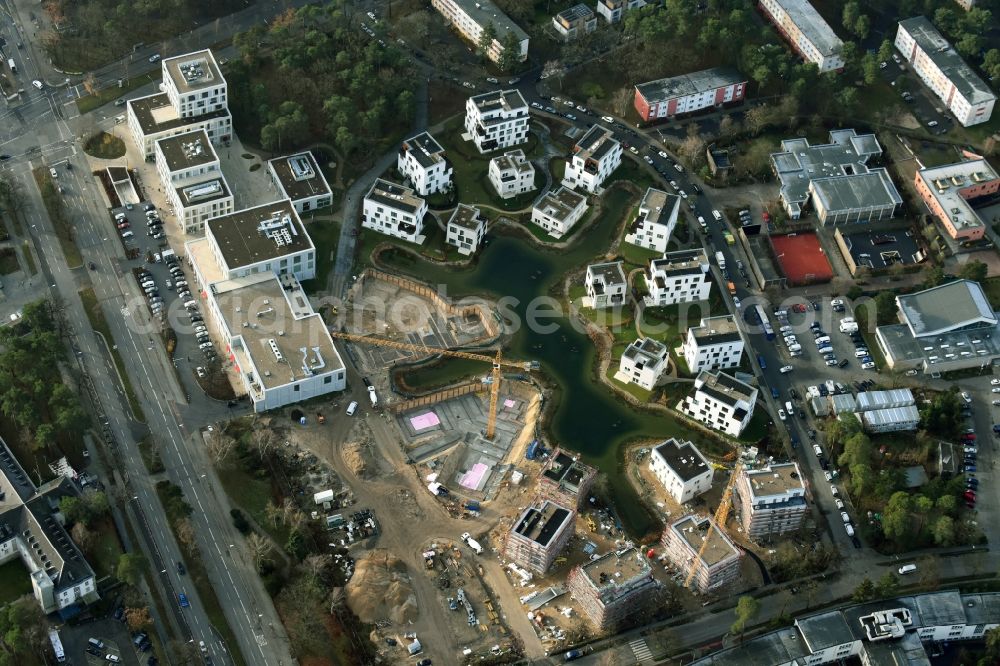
x=822, y=340
x=849, y=529
x=353, y=407
x=99, y=644
x=795, y=348
x=907, y=569
x=191, y=304
x=818, y=451
x=127, y=234
x=789, y=407
x=717, y=215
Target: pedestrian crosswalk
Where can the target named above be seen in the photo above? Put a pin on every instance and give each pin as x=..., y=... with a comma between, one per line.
x=640, y=650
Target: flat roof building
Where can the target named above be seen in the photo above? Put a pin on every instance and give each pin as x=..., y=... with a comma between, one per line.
x=949, y=191
x=421, y=161
x=566, y=480
x=687, y=93
x=836, y=178
x=470, y=18
x=511, y=174
x=655, y=221
x=717, y=566
x=643, y=363
x=248, y=268
x=496, y=120
x=714, y=344
x=595, y=157
x=606, y=285
x=720, y=401
x=394, y=210
x=466, y=229
x=299, y=178
x=682, y=470
x=678, y=277
x=942, y=70
x=807, y=33
x=771, y=500
x=557, y=211
x=194, y=97
x=539, y=535
x=613, y=587
x=612, y=10
x=575, y=22
x=948, y=327
x=192, y=178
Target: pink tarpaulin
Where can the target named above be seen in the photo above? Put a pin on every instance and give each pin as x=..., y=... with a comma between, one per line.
x=424, y=421
x=474, y=476
x=508, y=403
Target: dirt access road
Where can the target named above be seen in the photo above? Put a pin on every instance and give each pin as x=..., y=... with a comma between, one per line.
x=408, y=515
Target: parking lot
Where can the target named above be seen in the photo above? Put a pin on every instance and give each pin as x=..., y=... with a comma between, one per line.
x=168, y=288
x=114, y=638
x=921, y=102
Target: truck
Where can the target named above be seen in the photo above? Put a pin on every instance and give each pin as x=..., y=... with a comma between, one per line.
x=848, y=325
x=12, y=65
x=729, y=238
x=720, y=260
x=57, y=646
x=372, y=396
x=472, y=543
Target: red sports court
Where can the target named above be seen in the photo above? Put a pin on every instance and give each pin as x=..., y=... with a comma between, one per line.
x=801, y=258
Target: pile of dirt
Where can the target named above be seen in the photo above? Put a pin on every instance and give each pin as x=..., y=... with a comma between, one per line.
x=380, y=589
x=355, y=456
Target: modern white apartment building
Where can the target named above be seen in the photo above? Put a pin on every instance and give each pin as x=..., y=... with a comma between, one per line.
x=720, y=401
x=269, y=239
x=299, y=178
x=594, y=158
x=32, y=530
x=194, y=97
x=557, y=211
x=497, y=119
x=470, y=17
x=719, y=562
x=613, y=10
x=679, y=277
x=192, y=179
x=713, y=345
x=942, y=70
x=771, y=500
x=421, y=161
x=809, y=35
x=466, y=228
x=681, y=469
x=687, y=93
x=248, y=267
x=395, y=211
x=511, y=174
x=655, y=221
x=643, y=363
x=575, y=22
x=606, y=285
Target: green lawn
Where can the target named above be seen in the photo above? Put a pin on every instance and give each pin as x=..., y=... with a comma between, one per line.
x=100, y=324
x=251, y=496
x=104, y=554
x=325, y=235
x=15, y=581
x=59, y=217
x=633, y=390
x=88, y=103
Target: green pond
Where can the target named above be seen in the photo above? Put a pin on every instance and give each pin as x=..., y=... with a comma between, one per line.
x=588, y=417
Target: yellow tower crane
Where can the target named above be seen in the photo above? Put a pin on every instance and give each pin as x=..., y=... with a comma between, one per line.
x=496, y=362
x=721, y=515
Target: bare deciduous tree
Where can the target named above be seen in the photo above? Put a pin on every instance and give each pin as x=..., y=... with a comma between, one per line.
x=260, y=549
x=82, y=536
x=219, y=445
x=186, y=536
x=138, y=618
x=264, y=440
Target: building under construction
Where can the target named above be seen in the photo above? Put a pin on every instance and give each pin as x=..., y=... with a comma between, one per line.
x=772, y=500
x=538, y=535
x=719, y=562
x=615, y=585
x=566, y=480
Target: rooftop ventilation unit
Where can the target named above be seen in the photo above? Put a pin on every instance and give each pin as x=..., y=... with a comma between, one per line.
x=301, y=167
x=274, y=348
x=202, y=191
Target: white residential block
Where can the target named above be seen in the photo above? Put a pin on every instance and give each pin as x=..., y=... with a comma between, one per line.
x=678, y=277
x=395, y=211
x=594, y=158
x=655, y=221
x=715, y=344
x=497, y=119
x=681, y=469
x=421, y=161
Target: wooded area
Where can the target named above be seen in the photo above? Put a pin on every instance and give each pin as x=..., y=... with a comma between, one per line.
x=93, y=33
x=314, y=76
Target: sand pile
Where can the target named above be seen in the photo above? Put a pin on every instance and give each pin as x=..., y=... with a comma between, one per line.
x=357, y=461
x=380, y=589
